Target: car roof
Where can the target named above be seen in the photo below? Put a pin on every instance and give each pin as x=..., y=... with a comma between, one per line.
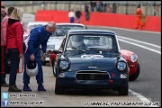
x=44, y=23
x=33, y=23
x=92, y=31
x=70, y=24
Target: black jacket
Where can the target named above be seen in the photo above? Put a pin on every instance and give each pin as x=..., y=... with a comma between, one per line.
x=78, y=14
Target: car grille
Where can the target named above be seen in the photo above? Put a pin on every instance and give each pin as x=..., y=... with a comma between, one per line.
x=92, y=75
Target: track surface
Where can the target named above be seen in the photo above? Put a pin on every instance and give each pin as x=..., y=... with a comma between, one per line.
x=149, y=81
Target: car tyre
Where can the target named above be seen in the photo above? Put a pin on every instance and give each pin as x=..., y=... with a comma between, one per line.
x=135, y=76
x=53, y=68
x=58, y=88
x=123, y=91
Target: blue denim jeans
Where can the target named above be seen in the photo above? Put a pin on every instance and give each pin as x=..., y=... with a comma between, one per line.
x=71, y=19
x=15, y=60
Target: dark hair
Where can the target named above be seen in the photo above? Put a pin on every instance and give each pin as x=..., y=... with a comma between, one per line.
x=3, y=7
x=10, y=9
x=139, y=6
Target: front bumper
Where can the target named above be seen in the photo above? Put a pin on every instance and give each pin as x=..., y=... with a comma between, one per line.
x=69, y=80
x=132, y=67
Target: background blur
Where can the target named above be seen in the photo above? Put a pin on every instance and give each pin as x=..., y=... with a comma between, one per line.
x=149, y=8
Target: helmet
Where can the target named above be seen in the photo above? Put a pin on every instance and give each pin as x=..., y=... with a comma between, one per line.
x=32, y=68
x=77, y=40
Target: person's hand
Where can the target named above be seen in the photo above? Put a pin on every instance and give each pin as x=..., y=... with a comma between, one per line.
x=32, y=57
x=43, y=57
x=21, y=65
x=21, y=55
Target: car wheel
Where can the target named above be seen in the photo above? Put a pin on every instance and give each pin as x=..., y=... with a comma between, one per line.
x=135, y=76
x=58, y=88
x=53, y=68
x=123, y=91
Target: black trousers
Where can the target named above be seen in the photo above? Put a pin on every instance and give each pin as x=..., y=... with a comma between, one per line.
x=3, y=76
x=15, y=60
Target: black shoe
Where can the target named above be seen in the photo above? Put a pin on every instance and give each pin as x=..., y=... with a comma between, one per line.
x=14, y=89
x=5, y=85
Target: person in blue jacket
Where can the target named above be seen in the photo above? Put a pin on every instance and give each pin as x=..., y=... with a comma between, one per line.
x=38, y=36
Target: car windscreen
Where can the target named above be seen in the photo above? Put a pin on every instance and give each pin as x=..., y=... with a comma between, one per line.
x=71, y=27
x=61, y=30
x=87, y=43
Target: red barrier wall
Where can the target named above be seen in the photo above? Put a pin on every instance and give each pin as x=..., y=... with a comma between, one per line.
x=153, y=23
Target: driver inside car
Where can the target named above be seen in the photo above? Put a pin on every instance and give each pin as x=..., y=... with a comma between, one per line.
x=78, y=43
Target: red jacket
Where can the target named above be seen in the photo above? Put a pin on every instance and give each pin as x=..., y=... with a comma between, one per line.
x=15, y=35
x=4, y=24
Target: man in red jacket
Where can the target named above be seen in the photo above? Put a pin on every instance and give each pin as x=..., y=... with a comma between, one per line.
x=3, y=12
x=4, y=24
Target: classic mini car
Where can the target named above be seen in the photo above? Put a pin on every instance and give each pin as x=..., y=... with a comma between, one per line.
x=90, y=59
x=57, y=37
x=129, y=56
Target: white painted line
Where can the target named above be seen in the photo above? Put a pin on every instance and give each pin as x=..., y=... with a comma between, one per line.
x=126, y=29
x=142, y=98
x=139, y=41
x=159, y=52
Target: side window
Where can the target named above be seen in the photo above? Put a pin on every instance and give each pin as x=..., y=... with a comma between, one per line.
x=62, y=44
x=59, y=32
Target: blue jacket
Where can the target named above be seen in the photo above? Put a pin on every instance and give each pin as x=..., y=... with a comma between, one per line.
x=38, y=36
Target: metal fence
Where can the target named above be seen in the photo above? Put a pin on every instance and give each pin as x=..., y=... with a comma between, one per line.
x=151, y=8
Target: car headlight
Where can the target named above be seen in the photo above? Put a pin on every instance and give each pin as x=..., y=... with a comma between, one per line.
x=64, y=65
x=121, y=66
x=133, y=57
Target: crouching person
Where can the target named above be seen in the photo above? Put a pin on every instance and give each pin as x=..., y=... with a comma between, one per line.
x=38, y=36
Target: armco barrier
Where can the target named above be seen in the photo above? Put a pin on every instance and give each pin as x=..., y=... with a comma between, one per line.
x=153, y=23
